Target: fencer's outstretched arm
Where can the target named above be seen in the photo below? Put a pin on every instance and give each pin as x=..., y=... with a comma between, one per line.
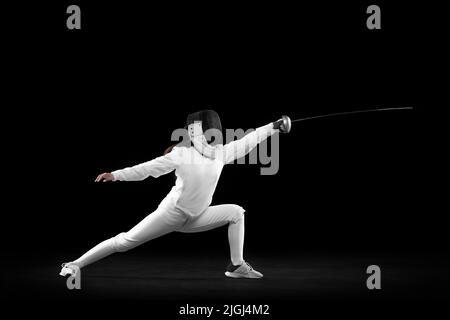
x=239, y=148
x=154, y=168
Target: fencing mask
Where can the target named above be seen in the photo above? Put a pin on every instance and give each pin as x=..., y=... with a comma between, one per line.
x=205, y=131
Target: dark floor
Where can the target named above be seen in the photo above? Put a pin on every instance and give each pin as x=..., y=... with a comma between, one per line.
x=305, y=277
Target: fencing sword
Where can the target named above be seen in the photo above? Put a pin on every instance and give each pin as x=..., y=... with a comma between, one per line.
x=286, y=121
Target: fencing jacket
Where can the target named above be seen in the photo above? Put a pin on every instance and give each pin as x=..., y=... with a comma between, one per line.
x=197, y=176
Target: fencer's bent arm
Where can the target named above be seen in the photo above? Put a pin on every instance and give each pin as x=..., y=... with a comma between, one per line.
x=154, y=168
x=239, y=148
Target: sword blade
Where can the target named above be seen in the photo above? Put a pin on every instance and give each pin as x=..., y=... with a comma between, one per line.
x=351, y=112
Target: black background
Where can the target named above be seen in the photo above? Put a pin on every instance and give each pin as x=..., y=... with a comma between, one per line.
x=109, y=96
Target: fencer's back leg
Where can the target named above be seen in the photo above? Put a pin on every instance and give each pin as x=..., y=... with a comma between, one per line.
x=123, y=243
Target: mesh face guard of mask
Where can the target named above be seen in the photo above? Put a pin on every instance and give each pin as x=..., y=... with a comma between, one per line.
x=204, y=125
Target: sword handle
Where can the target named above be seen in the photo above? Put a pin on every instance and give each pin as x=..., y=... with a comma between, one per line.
x=284, y=124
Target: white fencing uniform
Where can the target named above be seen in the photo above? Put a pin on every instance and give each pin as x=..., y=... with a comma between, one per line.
x=187, y=206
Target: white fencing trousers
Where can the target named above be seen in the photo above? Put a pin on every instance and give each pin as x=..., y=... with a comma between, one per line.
x=168, y=219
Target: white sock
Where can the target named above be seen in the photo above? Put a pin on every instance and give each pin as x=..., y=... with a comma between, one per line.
x=236, y=233
x=100, y=251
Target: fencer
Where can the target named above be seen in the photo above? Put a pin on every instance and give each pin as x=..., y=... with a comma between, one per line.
x=187, y=207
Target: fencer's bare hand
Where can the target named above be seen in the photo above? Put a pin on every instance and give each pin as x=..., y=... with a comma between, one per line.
x=104, y=177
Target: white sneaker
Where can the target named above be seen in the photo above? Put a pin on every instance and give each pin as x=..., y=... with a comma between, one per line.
x=244, y=270
x=69, y=268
